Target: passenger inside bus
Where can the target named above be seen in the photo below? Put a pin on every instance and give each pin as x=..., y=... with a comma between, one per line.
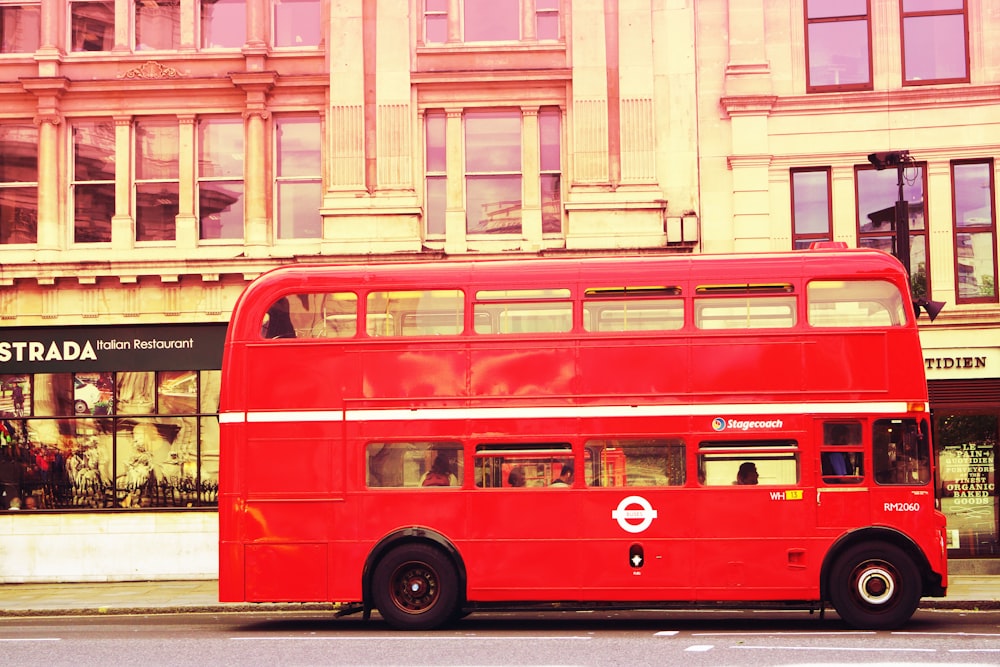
x=517, y=477
x=440, y=472
x=747, y=474
x=277, y=322
x=565, y=478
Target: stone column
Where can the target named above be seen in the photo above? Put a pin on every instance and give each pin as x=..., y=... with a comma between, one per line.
x=531, y=204
x=187, y=222
x=257, y=232
x=122, y=224
x=454, y=214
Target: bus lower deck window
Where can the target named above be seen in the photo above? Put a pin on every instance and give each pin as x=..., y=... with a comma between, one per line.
x=414, y=464
x=641, y=462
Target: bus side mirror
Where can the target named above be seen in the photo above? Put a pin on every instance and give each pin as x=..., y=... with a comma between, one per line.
x=932, y=308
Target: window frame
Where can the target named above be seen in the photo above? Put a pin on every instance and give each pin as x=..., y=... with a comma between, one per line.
x=802, y=240
x=280, y=180
x=24, y=7
x=844, y=18
x=930, y=13
x=30, y=188
x=225, y=179
x=990, y=229
x=76, y=183
x=471, y=175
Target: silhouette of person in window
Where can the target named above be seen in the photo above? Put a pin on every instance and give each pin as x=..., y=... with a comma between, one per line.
x=516, y=477
x=747, y=474
x=277, y=321
x=565, y=478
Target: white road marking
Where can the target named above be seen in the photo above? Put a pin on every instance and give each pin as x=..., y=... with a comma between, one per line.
x=701, y=648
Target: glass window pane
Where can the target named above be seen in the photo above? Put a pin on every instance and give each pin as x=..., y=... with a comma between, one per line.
x=223, y=24
x=493, y=141
x=220, y=210
x=745, y=313
x=551, y=203
x=19, y=28
x=436, y=29
x=414, y=464
x=838, y=53
x=437, y=196
x=547, y=25
x=15, y=396
x=493, y=205
x=298, y=210
x=633, y=315
x=94, y=151
x=652, y=462
x=177, y=393
x=297, y=23
x=157, y=25
x=934, y=47
x=973, y=195
x=18, y=215
x=436, y=144
x=492, y=20
x=976, y=262
x=423, y=313
x=299, y=142
x=211, y=381
x=18, y=153
x=811, y=202
x=931, y=5
x=156, y=149
x=93, y=208
x=220, y=148
x=135, y=392
x=855, y=303
x=156, y=208
x=900, y=452
x=92, y=25
x=550, y=134
x=817, y=9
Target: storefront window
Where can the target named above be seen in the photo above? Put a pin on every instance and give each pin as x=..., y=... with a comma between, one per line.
x=966, y=445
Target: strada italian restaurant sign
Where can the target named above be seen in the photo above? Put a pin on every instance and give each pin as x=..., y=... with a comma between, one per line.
x=135, y=348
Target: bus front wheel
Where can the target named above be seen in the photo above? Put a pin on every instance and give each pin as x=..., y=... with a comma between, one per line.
x=415, y=587
x=875, y=586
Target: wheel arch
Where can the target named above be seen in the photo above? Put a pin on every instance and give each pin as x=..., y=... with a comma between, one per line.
x=410, y=535
x=931, y=581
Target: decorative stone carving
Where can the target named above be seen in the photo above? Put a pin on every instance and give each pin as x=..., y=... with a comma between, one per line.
x=151, y=70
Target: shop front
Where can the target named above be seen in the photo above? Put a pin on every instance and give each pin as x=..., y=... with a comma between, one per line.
x=964, y=385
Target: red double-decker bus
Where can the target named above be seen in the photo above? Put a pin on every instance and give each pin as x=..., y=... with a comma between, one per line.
x=429, y=439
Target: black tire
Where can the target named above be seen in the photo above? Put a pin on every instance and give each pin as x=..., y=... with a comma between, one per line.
x=415, y=587
x=875, y=586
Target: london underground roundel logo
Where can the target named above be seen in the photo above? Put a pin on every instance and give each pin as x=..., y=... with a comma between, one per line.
x=626, y=512
x=718, y=424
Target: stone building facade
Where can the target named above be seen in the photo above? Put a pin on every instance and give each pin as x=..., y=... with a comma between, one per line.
x=157, y=156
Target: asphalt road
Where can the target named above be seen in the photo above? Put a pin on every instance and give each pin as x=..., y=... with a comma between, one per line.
x=933, y=637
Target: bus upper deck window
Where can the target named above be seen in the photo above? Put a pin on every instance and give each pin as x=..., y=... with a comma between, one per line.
x=633, y=309
x=312, y=315
x=415, y=313
x=855, y=303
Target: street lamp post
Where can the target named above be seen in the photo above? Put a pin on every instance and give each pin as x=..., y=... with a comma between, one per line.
x=901, y=237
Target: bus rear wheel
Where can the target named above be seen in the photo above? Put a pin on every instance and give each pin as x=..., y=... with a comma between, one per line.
x=415, y=587
x=875, y=586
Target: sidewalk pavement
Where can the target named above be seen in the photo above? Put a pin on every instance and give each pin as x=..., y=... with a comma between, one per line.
x=151, y=597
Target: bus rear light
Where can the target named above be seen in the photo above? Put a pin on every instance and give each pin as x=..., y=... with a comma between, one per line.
x=916, y=407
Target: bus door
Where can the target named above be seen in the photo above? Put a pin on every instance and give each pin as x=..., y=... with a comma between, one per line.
x=903, y=495
x=842, y=487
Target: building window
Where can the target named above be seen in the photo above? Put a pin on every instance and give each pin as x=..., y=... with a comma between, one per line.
x=157, y=25
x=93, y=180
x=838, y=45
x=935, y=41
x=157, y=200
x=965, y=443
x=811, y=207
x=550, y=134
x=223, y=24
x=877, y=192
x=20, y=28
x=220, y=178
x=547, y=19
x=298, y=188
x=436, y=178
x=975, y=231
x=18, y=183
x=435, y=21
x=92, y=25
x=99, y=440
x=492, y=20
x=297, y=23
x=493, y=172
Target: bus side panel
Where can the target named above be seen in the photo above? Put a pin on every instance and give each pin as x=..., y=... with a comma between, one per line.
x=529, y=369
x=231, y=573
x=308, y=375
x=414, y=372
x=855, y=363
x=634, y=368
x=759, y=368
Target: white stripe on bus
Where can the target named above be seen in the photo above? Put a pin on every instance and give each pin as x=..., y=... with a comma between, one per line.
x=566, y=412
